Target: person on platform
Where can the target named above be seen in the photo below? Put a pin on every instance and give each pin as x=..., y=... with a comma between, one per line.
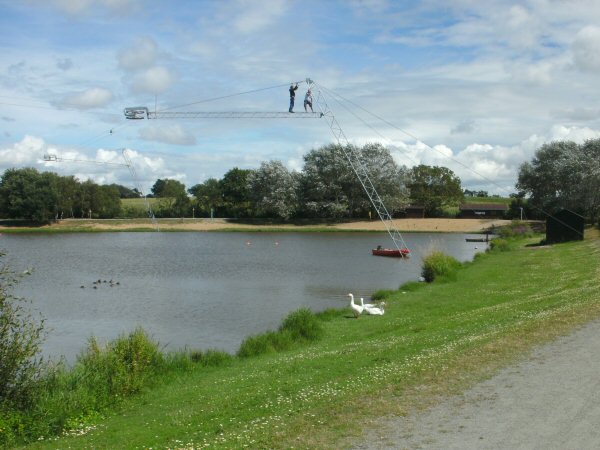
x=308, y=101
x=292, y=96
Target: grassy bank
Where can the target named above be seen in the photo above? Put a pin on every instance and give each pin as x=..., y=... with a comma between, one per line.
x=434, y=339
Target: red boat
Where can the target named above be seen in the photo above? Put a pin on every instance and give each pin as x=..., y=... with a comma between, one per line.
x=402, y=253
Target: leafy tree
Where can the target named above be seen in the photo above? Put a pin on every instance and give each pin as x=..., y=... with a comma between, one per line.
x=325, y=176
x=274, y=190
x=519, y=208
x=67, y=194
x=208, y=195
x=28, y=194
x=125, y=192
x=167, y=188
x=96, y=201
x=109, y=202
x=174, y=199
x=330, y=188
x=589, y=185
x=236, y=197
x=563, y=174
x=181, y=205
x=434, y=187
x=20, y=340
x=387, y=177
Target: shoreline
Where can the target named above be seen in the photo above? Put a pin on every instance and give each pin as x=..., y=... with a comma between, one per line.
x=190, y=225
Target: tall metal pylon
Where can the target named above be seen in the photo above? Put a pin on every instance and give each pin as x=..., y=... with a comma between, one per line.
x=353, y=158
x=128, y=163
x=142, y=112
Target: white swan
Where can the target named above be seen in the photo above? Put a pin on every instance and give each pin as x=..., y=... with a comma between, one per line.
x=372, y=309
x=366, y=305
x=356, y=309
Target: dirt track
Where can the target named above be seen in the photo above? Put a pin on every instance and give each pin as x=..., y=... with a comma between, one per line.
x=551, y=400
x=404, y=225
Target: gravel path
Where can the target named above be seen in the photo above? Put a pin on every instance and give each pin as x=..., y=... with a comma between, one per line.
x=551, y=400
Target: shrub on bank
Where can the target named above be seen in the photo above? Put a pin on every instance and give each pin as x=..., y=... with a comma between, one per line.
x=499, y=244
x=437, y=264
x=124, y=365
x=516, y=228
x=301, y=325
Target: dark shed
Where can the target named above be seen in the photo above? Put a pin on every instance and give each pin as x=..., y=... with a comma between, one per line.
x=564, y=226
x=482, y=210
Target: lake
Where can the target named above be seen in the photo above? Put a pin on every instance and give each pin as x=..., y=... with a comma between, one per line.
x=202, y=290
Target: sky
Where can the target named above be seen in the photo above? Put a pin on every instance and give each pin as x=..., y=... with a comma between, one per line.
x=475, y=86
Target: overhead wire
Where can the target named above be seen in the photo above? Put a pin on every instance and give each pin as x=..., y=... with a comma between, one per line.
x=335, y=94
x=350, y=111
x=252, y=91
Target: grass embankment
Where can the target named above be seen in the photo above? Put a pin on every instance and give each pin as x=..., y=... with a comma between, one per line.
x=434, y=339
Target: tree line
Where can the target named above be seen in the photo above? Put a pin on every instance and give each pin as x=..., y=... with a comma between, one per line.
x=562, y=174
x=326, y=187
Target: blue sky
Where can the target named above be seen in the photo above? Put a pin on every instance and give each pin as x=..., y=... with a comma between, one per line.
x=471, y=85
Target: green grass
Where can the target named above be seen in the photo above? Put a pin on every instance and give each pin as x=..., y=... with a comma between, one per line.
x=139, y=203
x=501, y=200
x=434, y=339
x=453, y=211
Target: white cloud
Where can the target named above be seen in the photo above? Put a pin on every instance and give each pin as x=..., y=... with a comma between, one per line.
x=83, y=7
x=586, y=49
x=171, y=134
x=74, y=7
x=155, y=80
x=575, y=134
x=25, y=153
x=141, y=55
x=255, y=16
x=88, y=99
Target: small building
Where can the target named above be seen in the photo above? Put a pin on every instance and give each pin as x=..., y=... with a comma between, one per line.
x=483, y=210
x=563, y=226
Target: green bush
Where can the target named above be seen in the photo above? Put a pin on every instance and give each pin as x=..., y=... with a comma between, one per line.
x=499, y=244
x=382, y=294
x=211, y=358
x=438, y=264
x=268, y=342
x=124, y=366
x=301, y=325
x=20, y=338
x=516, y=228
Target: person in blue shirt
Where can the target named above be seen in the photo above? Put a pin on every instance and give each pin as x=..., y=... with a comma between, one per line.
x=292, y=96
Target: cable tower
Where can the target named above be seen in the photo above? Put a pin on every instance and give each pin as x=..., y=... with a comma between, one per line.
x=351, y=155
x=128, y=163
x=138, y=186
x=361, y=172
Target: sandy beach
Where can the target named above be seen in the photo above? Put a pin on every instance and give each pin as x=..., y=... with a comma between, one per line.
x=404, y=225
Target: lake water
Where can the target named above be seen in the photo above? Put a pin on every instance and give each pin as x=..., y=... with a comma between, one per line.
x=201, y=290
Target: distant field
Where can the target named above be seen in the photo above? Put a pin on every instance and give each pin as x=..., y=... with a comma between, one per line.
x=504, y=200
x=453, y=211
x=137, y=202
